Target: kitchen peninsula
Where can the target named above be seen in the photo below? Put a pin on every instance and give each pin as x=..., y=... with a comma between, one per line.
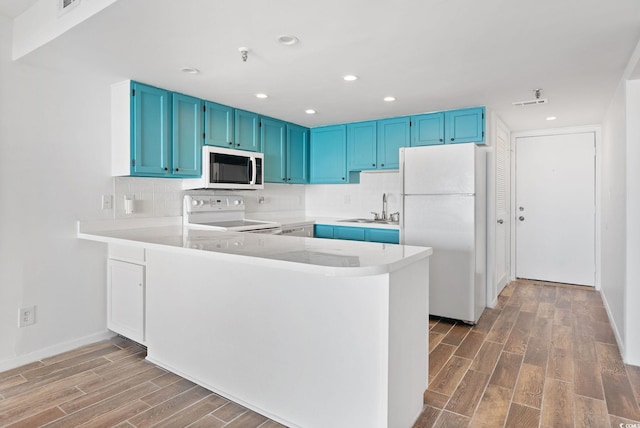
x=309, y=332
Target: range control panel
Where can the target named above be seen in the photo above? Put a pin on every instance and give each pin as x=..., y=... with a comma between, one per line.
x=214, y=203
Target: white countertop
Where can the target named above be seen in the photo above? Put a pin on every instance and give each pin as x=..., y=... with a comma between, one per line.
x=322, y=256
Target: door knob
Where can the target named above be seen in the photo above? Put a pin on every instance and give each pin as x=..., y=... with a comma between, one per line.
x=500, y=221
x=521, y=218
x=521, y=208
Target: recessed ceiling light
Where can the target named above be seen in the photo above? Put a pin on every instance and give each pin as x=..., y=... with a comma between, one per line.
x=261, y=95
x=288, y=40
x=551, y=118
x=350, y=77
x=310, y=111
x=190, y=70
x=389, y=99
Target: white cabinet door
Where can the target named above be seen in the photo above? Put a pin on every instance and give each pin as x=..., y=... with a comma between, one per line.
x=125, y=299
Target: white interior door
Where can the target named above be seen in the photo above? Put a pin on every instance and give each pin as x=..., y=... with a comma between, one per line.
x=555, y=208
x=503, y=218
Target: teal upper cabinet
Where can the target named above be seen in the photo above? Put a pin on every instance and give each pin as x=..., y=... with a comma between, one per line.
x=247, y=131
x=150, y=139
x=286, y=152
x=186, y=126
x=218, y=125
x=465, y=126
x=392, y=134
x=155, y=132
x=297, y=154
x=328, y=155
x=361, y=146
x=427, y=129
x=274, y=146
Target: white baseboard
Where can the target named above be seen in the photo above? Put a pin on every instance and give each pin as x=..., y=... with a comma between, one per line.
x=50, y=351
x=614, y=327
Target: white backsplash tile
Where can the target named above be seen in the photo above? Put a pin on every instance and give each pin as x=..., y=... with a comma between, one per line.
x=153, y=197
x=161, y=197
x=355, y=200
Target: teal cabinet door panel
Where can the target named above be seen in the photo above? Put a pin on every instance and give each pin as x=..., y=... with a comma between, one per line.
x=328, y=155
x=427, y=129
x=361, y=146
x=150, y=137
x=274, y=142
x=186, y=128
x=352, y=233
x=387, y=236
x=392, y=134
x=247, y=134
x=297, y=156
x=465, y=126
x=323, y=231
x=218, y=125
x=349, y=233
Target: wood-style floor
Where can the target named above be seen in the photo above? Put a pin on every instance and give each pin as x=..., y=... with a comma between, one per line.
x=109, y=384
x=545, y=357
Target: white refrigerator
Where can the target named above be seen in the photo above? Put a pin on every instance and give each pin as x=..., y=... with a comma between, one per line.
x=444, y=207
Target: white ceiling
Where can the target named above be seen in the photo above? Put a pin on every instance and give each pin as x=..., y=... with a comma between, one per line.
x=13, y=8
x=430, y=54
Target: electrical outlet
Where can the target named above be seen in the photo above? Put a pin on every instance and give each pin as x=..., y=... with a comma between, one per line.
x=107, y=202
x=27, y=316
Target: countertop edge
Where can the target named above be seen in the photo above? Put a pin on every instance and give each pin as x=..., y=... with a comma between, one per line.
x=99, y=236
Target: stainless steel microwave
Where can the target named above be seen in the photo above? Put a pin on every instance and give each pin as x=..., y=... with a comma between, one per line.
x=232, y=169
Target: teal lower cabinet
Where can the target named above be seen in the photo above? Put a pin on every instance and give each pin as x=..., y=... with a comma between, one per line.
x=351, y=233
x=386, y=236
x=348, y=233
x=323, y=231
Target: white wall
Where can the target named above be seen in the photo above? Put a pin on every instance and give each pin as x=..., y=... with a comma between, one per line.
x=54, y=165
x=632, y=296
x=613, y=212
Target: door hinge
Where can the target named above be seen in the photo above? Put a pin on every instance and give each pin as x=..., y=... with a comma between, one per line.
x=260, y=124
x=482, y=134
x=133, y=162
x=204, y=108
x=133, y=92
x=204, y=135
x=410, y=124
x=483, y=115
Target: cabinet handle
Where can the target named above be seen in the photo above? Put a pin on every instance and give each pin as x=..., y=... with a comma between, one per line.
x=288, y=179
x=343, y=178
x=373, y=164
x=441, y=140
x=177, y=169
x=284, y=179
x=238, y=144
x=381, y=164
x=452, y=139
x=231, y=143
x=166, y=169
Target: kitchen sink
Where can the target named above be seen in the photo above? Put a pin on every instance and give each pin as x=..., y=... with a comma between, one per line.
x=367, y=220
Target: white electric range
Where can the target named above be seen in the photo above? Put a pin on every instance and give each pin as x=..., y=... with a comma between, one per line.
x=222, y=213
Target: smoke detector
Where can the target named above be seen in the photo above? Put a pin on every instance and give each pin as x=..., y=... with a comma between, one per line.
x=537, y=93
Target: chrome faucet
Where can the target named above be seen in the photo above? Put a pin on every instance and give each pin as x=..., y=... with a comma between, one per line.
x=384, y=206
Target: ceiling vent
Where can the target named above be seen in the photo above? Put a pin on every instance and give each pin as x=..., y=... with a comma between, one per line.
x=537, y=100
x=65, y=6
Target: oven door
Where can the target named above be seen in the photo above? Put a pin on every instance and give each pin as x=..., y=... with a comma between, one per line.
x=232, y=169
